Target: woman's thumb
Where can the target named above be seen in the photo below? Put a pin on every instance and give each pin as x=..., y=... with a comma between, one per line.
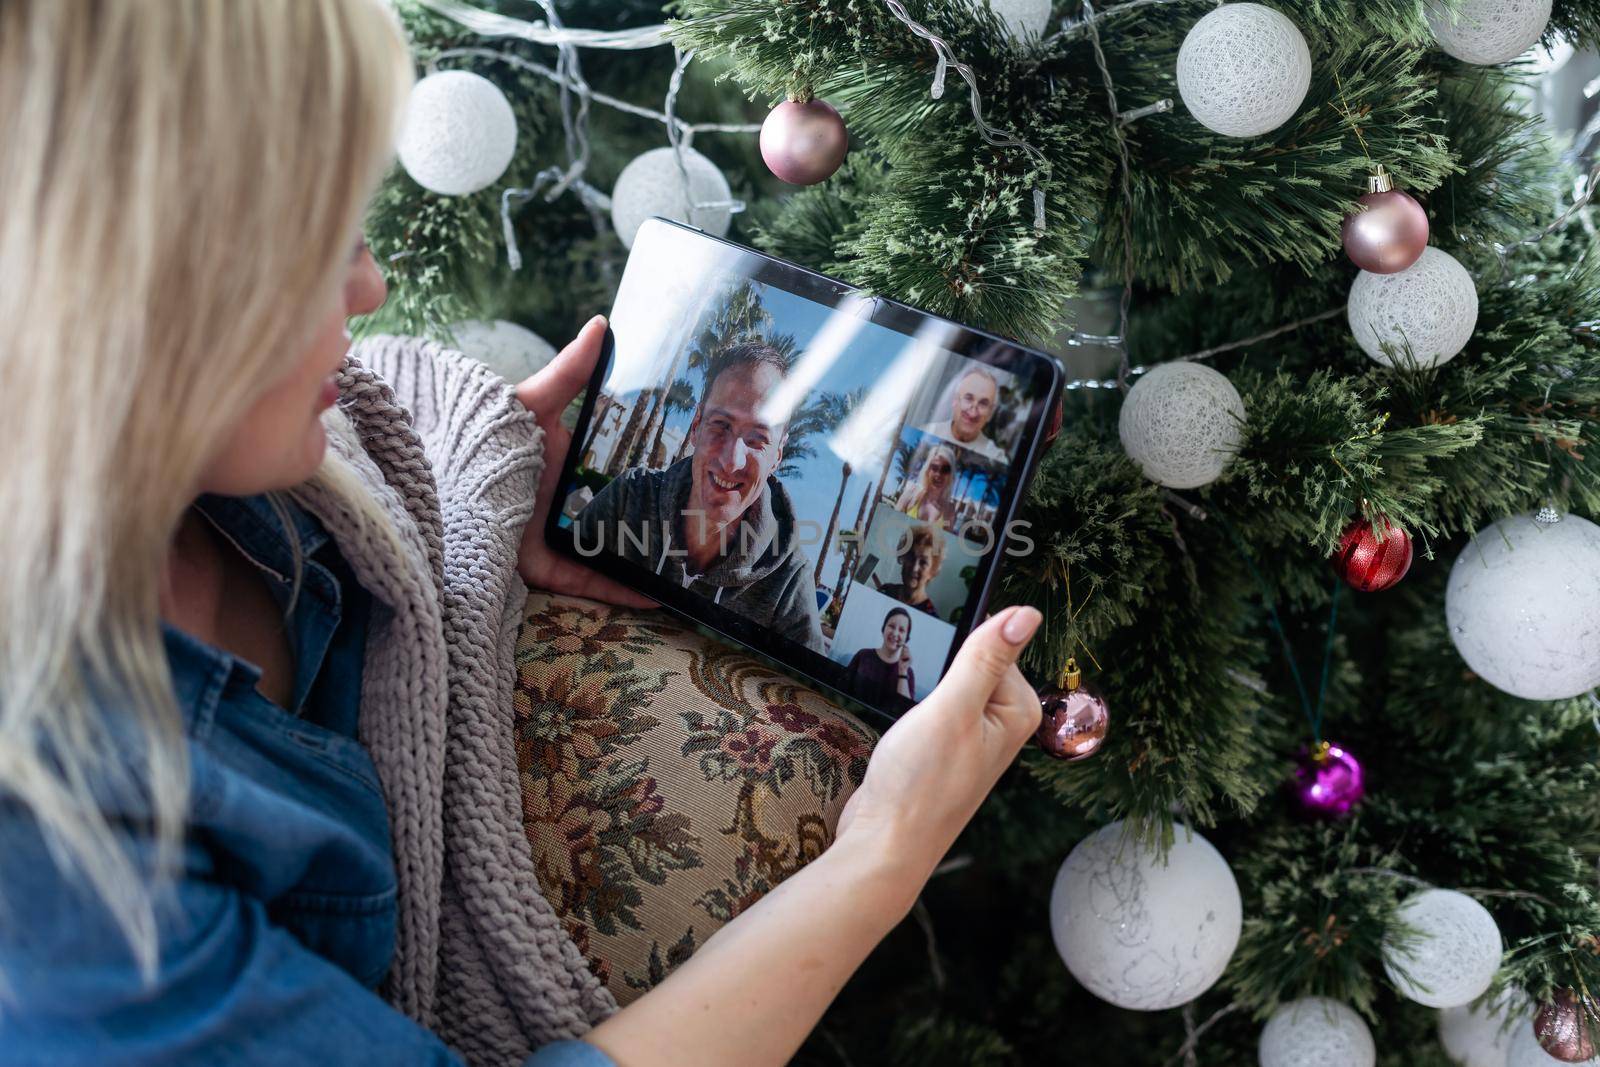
x=985, y=656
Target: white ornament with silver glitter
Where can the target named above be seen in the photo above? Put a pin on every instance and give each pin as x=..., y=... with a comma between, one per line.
x=459, y=133
x=1481, y=1036
x=1182, y=423
x=1142, y=932
x=1486, y=32
x=1453, y=954
x=654, y=185
x=1523, y=606
x=511, y=351
x=1425, y=313
x=1525, y=1051
x=1316, y=1032
x=1025, y=20
x=1243, y=70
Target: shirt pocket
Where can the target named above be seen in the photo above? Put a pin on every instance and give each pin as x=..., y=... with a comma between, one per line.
x=357, y=932
x=335, y=751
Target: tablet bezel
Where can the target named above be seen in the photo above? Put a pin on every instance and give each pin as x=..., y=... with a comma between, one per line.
x=975, y=344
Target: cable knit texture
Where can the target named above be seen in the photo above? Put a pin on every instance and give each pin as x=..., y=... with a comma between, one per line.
x=454, y=460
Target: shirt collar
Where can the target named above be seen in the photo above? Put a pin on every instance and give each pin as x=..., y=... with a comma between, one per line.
x=204, y=675
x=252, y=523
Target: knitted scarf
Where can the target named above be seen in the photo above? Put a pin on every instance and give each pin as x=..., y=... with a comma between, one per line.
x=453, y=460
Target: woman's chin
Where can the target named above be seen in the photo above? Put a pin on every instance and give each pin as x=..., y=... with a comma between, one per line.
x=312, y=451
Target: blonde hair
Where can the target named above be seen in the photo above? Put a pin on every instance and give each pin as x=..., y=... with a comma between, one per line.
x=916, y=494
x=181, y=184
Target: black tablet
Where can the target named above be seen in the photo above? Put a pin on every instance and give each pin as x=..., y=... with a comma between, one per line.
x=826, y=477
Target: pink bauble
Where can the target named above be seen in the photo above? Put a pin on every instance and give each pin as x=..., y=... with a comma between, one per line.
x=1388, y=234
x=1073, y=724
x=804, y=143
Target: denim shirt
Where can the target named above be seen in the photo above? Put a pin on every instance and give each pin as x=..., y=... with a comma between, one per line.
x=281, y=923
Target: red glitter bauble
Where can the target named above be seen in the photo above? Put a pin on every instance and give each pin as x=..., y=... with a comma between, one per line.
x=1564, y=1028
x=1373, y=558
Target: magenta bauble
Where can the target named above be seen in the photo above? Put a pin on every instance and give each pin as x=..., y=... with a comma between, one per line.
x=803, y=143
x=1328, y=781
x=1390, y=231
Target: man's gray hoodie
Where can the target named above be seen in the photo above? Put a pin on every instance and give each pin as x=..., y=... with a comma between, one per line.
x=763, y=574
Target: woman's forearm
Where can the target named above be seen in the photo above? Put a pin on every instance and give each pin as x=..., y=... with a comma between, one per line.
x=753, y=992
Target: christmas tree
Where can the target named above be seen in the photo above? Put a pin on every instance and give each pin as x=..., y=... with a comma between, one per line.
x=1165, y=184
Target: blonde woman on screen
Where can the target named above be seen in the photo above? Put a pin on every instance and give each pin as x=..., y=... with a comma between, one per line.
x=927, y=497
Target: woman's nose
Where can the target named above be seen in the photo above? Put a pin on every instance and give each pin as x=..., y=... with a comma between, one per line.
x=364, y=289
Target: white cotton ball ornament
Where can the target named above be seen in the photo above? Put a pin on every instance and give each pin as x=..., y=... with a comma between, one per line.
x=1486, y=32
x=1316, y=1032
x=1525, y=1051
x=1182, y=422
x=653, y=185
x=511, y=351
x=1024, y=19
x=1479, y=1036
x=1523, y=606
x=1143, y=933
x=1454, y=955
x=1432, y=306
x=459, y=133
x=1243, y=70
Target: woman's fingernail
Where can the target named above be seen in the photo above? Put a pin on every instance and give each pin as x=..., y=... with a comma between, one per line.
x=591, y=322
x=1020, y=626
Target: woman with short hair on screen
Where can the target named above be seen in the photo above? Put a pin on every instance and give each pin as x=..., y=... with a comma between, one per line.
x=883, y=672
x=255, y=587
x=920, y=562
x=927, y=497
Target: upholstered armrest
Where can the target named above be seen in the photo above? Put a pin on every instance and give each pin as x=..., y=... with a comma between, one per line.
x=668, y=781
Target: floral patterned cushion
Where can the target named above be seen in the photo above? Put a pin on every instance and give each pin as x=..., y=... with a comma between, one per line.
x=668, y=781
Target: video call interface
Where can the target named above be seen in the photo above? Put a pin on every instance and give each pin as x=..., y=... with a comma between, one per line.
x=824, y=477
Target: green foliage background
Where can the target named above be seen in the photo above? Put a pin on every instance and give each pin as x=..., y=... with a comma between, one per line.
x=1231, y=237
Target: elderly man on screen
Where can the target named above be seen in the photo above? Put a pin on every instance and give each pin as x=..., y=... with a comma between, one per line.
x=971, y=405
x=719, y=522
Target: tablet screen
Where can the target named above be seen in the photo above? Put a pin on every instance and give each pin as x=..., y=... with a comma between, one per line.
x=823, y=475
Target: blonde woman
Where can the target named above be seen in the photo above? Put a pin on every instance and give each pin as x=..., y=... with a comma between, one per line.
x=257, y=784
x=927, y=498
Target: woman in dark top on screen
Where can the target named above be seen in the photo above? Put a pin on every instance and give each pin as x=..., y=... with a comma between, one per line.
x=883, y=671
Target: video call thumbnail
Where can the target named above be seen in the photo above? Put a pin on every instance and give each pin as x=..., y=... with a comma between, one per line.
x=917, y=563
x=880, y=640
x=794, y=462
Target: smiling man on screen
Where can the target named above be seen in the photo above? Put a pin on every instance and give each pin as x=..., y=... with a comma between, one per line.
x=719, y=522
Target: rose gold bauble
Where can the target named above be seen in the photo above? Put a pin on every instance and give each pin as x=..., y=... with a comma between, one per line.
x=1390, y=231
x=1564, y=1028
x=1074, y=719
x=803, y=143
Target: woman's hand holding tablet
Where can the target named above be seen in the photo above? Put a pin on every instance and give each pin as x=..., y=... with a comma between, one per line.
x=825, y=477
